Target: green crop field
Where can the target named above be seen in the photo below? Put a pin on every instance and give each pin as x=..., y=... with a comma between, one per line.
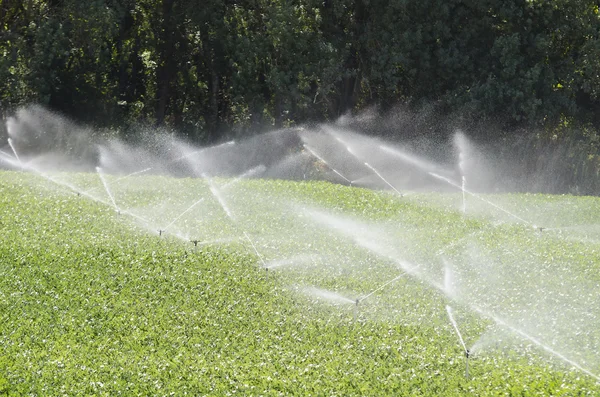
x=102, y=296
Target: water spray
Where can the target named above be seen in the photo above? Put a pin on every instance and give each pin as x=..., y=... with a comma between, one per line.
x=349, y=149
x=381, y=287
x=258, y=254
x=112, y=199
x=534, y=340
x=464, y=200
x=327, y=164
x=456, y=185
x=196, y=152
x=462, y=342
x=251, y=172
x=217, y=194
x=183, y=213
x=382, y=178
x=12, y=146
x=333, y=297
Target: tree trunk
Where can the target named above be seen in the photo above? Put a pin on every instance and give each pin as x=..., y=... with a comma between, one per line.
x=165, y=73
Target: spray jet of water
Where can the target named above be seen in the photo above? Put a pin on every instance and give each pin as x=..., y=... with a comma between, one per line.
x=194, y=153
x=464, y=200
x=188, y=209
x=349, y=149
x=132, y=174
x=122, y=178
x=349, y=229
x=410, y=159
x=452, y=183
x=289, y=261
x=462, y=342
x=326, y=163
x=217, y=194
x=382, y=178
x=112, y=199
x=199, y=151
x=258, y=254
x=382, y=287
x=328, y=295
x=78, y=191
x=12, y=146
x=251, y=172
x=534, y=340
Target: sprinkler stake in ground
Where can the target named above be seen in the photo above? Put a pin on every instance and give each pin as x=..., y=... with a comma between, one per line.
x=467, y=354
x=462, y=342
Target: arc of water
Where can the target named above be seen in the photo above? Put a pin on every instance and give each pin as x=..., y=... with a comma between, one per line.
x=382, y=286
x=217, y=194
x=534, y=340
x=410, y=159
x=328, y=295
x=252, y=171
x=80, y=192
x=112, y=199
x=256, y=250
x=462, y=342
x=12, y=146
x=464, y=207
x=441, y=288
x=382, y=178
x=183, y=213
x=349, y=149
x=326, y=163
x=456, y=185
x=196, y=152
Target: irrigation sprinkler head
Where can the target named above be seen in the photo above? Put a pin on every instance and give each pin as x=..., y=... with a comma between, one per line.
x=160, y=232
x=467, y=353
x=541, y=229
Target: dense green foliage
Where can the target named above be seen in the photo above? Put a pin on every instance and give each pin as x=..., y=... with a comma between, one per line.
x=206, y=68
x=92, y=304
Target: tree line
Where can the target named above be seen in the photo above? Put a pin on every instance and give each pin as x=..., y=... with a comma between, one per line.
x=210, y=66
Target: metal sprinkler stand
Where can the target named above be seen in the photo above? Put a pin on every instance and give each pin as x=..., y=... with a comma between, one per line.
x=467, y=354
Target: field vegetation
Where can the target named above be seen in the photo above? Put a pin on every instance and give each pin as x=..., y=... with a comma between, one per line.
x=93, y=301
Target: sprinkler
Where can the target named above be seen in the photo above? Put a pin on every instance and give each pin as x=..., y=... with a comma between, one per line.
x=462, y=342
x=541, y=229
x=160, y=232
x=356, y=302
x=266, y=273
x=467, y=354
